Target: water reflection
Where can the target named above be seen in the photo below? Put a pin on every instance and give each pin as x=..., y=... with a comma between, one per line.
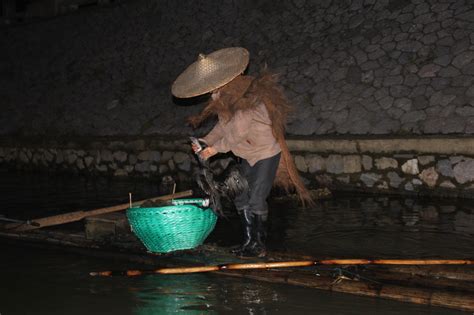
x=200, y=293
x=212, y=294
x=382, y=226
x=167, y=294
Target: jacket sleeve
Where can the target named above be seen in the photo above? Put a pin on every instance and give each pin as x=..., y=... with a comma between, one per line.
x=215, y=134
x=235, y=132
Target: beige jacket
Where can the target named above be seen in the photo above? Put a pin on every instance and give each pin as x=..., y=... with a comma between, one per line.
x=248, y=135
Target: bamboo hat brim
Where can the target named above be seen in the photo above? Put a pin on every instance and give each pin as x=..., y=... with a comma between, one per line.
x=210, y=72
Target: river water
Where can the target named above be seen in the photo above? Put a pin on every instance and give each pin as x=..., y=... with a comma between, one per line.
x=49, y=281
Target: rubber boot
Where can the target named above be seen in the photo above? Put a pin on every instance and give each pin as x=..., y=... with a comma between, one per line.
x=247, y=218
x=257, y=247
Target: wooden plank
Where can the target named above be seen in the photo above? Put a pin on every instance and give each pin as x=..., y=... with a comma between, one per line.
x=79, y=215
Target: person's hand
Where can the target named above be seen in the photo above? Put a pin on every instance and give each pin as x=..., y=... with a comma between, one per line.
x=207, y=153
x=196, y=147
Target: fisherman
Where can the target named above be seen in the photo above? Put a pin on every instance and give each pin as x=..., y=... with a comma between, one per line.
x=251, y=116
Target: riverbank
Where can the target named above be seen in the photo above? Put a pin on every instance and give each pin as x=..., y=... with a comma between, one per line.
x=434, y=166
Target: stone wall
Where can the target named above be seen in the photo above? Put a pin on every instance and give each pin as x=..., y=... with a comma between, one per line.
x=160, y=160
x=448, y=175
x=377, y=67
x=440, y=166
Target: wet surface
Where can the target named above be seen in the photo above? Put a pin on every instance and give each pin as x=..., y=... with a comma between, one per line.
x=37, y=281
x=367, y=226
x=378, y=227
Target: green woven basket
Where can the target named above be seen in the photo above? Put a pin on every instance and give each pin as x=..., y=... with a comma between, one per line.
x=183, y=225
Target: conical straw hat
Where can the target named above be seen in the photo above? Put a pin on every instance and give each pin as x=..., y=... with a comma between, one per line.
x=210, y=72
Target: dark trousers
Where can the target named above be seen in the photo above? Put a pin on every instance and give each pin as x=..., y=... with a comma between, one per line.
x=260, y=179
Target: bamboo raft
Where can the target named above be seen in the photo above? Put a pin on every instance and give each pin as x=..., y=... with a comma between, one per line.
x=425, y=282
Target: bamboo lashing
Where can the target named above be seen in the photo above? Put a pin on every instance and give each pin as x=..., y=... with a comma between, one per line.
x=285, y=264
x=79, y=215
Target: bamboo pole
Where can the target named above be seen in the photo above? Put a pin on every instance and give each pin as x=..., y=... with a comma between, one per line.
x=285, y=264
x=79, y=215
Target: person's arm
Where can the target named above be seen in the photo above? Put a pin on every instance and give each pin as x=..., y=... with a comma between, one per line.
x=215, y=134
x=234, y=132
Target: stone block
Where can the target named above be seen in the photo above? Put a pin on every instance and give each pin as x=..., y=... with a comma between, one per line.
x=395, y=179
x=463, y=59
x=369, y=179
x=88, y=160
x=352, y=164
x=386, y=102
x=410, y=167
x=71, y=157
x=101, y=167
x=426, y=159
x=383, y=185
x=343, y=179
x=409, y=186
x=105, y=156
x=132, y=159
x=301, y=164
x=120, y=156
x=385, y=163
x=428, y=71
x=315, y=163
x=335, y=164
x=80, y=164
x=456, y=159
x=143, y=167
x=429, y=176
x=445, y=168
x=467, y=16
x=60, y=157
x=167, y=155
x=413, y=116
x=150, y=155
x=464, y=171
x=367, y=162
x=135, y=145
x=449, y=72
x=49, y=156
x=403, y=103
x=23, y=157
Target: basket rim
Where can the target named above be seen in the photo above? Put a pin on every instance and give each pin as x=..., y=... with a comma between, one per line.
x=177, y=202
